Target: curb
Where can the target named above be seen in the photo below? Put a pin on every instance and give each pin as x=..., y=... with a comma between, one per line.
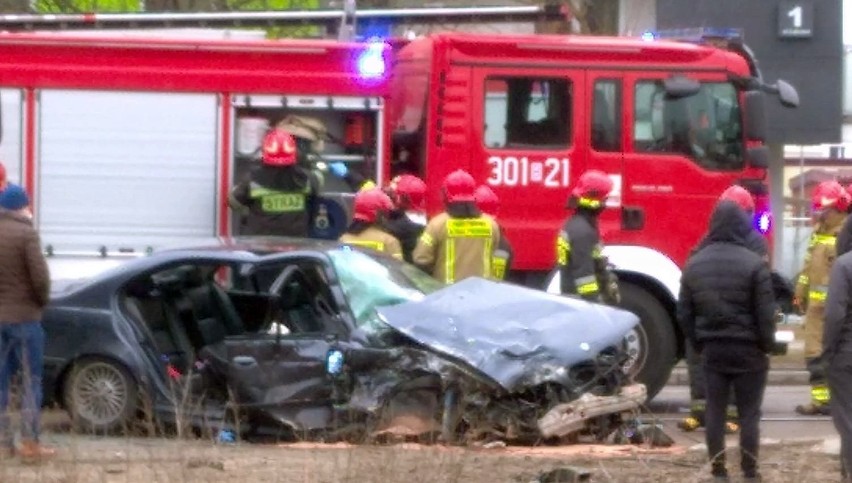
x=777, y=377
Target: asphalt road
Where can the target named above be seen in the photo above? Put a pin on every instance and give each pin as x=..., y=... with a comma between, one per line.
x=779, y=422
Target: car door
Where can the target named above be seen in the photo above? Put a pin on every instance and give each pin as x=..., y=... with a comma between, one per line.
x=282, y=372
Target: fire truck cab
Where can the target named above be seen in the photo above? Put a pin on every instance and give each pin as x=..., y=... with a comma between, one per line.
x=672, y=123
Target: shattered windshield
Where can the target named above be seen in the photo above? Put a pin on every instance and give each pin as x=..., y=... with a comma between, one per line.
x=376, y=282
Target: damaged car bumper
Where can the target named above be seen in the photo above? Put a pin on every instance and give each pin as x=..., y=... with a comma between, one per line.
x=569, y=418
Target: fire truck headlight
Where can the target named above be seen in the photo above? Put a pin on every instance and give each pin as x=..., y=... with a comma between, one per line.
x=763, y=221
x=371, y=62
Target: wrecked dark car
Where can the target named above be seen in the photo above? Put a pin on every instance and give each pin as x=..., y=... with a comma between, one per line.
x=320, y=339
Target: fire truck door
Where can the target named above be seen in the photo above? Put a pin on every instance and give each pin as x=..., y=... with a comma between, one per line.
x=526, y=147
x=681, y=153
x=605, y=109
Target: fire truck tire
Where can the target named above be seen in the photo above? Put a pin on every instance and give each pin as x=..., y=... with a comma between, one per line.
x=653, y=344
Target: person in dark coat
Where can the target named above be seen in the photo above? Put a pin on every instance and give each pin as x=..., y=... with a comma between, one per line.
x=755, y=242
x=726, y=309
x=837, y=346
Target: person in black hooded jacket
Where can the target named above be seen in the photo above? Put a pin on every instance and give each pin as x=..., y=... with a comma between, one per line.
x=837, y=345
x=726, y=309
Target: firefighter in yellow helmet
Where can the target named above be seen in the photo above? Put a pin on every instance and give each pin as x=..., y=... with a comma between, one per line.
x=488, y=202
x=365, y=230
x=830, y=202
x=582, y=266
x=458, y=243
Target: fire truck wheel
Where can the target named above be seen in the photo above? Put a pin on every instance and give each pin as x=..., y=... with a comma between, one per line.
x=652, y=346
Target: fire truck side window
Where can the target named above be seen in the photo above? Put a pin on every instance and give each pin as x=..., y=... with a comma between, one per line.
x=527, y=112
x=606, y=119
x=705, y=127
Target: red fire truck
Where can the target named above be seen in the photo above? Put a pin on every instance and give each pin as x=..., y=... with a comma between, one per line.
x=130, y=143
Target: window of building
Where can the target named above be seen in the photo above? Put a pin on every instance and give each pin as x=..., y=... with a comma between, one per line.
x=606, y=116
x=705, y=127
x=527, y=112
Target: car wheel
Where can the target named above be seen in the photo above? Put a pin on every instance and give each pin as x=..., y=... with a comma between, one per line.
x=652, y=345
x=100, y=395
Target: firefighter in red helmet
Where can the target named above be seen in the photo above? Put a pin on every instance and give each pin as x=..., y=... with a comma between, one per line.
x=276, y=198
x=371, y=205
x=488, y=202
x=458, y=243
x=830, y=203
x=582, y=266
x=407, y=218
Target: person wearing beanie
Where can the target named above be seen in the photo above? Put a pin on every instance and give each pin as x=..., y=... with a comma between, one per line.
x=24, y=292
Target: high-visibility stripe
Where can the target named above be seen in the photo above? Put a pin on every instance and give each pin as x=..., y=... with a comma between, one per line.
x=486, y=259
x=817, y=239
x=587, y=285
x=820, y=394
x=427, y=239
x=450, y=261
x=468, y=228
x=589, y=202
x=803, y=279
x=817, y=295
x=498, y=267
x=563, y=251
x=375, y=245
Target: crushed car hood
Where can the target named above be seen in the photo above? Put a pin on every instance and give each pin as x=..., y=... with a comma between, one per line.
x=517, y=337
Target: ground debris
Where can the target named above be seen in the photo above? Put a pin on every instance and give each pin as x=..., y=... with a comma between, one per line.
x=205, y=463
x=565, y=474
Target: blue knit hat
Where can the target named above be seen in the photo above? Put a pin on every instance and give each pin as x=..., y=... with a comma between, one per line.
x=13, y=198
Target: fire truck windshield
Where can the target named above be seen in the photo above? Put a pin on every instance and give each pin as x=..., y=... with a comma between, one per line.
x=706, y=127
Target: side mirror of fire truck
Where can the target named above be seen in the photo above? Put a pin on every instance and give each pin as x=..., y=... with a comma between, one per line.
x=787, y=94
x=678, y=86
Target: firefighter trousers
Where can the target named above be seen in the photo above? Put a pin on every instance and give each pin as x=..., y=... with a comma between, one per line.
x=840, y=382
x=748, y=389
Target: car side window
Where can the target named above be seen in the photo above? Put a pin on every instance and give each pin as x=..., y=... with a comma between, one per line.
x=527, y=112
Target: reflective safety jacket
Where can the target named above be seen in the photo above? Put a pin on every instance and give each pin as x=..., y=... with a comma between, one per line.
x=276, y=201
x=578, y=254
x=812, y=283
x=452, y=249
x=376, y=239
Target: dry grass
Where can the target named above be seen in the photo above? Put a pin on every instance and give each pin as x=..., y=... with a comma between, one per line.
x=96, y=459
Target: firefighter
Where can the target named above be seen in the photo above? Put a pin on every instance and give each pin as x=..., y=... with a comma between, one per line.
x=582, y=267
x=757, y=244
x=829, y=202
x=276, y=198
x=458, y=243
x=488, y=202
x=407, y=219
x=365, y=230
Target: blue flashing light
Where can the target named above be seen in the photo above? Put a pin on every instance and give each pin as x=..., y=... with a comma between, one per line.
x=648, y=36
x=371, y=62
x=763, y=222
x=701, y=35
